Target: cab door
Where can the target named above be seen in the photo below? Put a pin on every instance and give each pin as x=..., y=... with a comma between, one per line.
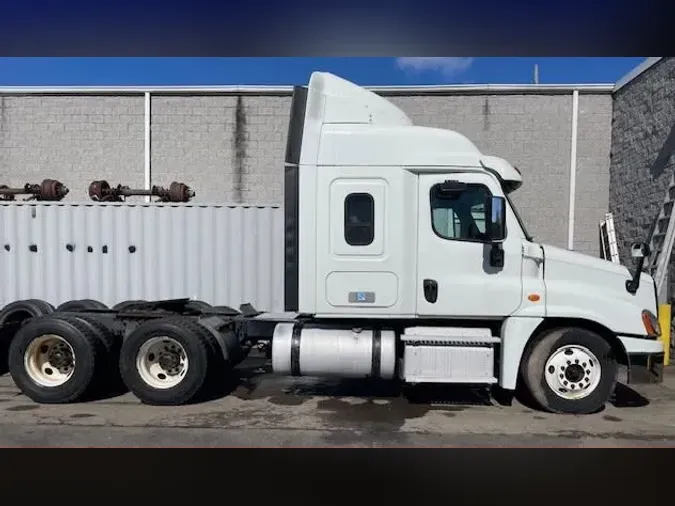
x=455, y=274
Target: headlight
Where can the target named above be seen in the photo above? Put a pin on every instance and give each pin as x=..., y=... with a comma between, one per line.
x=651, y=323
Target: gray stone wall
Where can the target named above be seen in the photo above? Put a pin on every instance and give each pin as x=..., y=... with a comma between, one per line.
x=642, y=162
x=74, y=139
x=230, y=149
x=191, y=141
x=594, y=134
x=534, y=133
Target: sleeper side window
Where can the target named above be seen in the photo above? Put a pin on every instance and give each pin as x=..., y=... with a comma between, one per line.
x=359, y=219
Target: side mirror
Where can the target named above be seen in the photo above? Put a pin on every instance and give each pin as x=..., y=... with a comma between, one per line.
x=495, y=214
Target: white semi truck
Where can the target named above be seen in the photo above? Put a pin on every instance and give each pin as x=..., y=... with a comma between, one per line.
x=405, y=259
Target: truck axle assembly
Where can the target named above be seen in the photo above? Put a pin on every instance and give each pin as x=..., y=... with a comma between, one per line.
x=50, y=190
x=101, y=191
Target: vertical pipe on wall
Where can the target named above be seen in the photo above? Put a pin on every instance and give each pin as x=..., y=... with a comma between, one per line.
x=147, y=171
x=573, y=169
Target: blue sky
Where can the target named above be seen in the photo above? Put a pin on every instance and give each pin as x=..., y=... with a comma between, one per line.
x=271, y=71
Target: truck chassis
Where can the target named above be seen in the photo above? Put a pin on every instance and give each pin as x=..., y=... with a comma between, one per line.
x=178, y=351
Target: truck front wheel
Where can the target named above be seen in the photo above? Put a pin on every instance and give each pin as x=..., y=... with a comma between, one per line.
x=570, y=370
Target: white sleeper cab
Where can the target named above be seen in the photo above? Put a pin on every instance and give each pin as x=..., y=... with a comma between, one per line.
x=405, y=260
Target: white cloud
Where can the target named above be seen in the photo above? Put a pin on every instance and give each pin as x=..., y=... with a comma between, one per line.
x=449, y=67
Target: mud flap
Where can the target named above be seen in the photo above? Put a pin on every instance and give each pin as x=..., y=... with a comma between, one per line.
x=645, y=368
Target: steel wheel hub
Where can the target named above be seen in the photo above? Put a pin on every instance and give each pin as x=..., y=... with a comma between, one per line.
x=572, y=372
x=162, y=362
x=49, y=360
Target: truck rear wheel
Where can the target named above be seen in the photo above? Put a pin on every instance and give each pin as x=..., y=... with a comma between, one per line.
x=12, y=317
x=22, y=310
x=111, y=342
x=55, y=359
x=166, y=362
x=81, y=305
x=127, y=305
x=45, y=306
x=570, y=370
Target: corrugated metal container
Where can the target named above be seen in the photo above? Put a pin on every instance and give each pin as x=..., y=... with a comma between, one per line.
x=224, y=255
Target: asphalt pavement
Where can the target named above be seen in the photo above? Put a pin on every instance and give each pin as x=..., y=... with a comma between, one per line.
x=264, y=410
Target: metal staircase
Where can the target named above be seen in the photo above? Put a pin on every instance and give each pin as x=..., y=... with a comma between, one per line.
x=661, y=242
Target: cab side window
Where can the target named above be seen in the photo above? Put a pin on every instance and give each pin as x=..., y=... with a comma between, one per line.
x=359, y=219
x=459, y=216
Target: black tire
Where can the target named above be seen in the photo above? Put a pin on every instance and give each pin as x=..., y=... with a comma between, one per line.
x=22, y=310
x=80, y=305
x=89, y=359
x=127, y=305
x=47, y=308
x=112, y=340
x=12, y=317
x=199, y=346
x=112, y=343
x=198, y=306
x=534, y=374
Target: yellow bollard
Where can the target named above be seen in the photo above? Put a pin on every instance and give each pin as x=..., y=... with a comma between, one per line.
x=664, y=322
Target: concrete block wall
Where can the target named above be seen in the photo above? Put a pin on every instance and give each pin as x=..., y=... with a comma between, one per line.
x=74, y=139
x=642, y=160
x=594, y=136
x=534, y=133
x=191, y=142
x=230, y=148
x=264, y=149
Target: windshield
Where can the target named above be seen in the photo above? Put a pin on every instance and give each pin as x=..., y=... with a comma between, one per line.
x=520, y=220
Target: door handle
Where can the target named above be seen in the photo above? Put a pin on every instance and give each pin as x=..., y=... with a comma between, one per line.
x=430, y=290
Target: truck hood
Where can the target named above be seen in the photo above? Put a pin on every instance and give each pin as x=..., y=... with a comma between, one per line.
x=585, y=261
x=595, y=289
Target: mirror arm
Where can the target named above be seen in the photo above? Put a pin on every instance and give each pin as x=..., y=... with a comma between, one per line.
x=497, y=255
x=633, y=284
x=641, y=252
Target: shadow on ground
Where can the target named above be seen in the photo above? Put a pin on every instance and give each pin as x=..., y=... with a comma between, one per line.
x=253, y=382
x=625, y=397
x=354, y=405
